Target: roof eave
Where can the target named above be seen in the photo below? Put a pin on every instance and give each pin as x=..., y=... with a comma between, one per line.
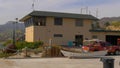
x=24, y=18
x=103, y=30
x=34, y=14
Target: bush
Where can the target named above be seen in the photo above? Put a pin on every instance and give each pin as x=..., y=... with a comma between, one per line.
x=23, y=44
x=31, y=45
x=7, y=42
x=5, y=55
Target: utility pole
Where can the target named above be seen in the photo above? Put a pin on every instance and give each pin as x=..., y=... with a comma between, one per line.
x=13, y=33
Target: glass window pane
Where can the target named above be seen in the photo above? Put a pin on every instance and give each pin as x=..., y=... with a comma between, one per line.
x=58, y=21
x=58, y=35
x=79, y=22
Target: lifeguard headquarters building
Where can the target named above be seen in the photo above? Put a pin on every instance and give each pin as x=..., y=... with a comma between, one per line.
x=63, y=28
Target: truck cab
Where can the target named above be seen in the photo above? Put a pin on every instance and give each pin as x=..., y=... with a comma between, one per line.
x=99, y=45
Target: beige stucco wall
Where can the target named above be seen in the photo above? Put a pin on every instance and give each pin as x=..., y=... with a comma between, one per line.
x=68, y=29
x=29, y=34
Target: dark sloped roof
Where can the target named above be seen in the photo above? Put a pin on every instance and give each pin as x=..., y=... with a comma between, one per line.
x=59, y=14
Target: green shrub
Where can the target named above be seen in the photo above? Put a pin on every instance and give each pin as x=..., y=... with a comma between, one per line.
x=5, y=55
x=7, y=42
x=31, y=45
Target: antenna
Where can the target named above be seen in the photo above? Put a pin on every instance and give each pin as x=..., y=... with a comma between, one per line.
x=81, y=10
x=33, y=5
x=89, y=12
x=86, y=10
x=97, y=12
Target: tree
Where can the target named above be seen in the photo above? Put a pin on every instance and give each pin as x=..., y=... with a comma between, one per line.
x=107, y=24
x=115, y=23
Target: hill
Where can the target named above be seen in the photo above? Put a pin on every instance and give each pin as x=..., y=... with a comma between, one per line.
x=9, y=25
x=6, y=31
x=109, y=19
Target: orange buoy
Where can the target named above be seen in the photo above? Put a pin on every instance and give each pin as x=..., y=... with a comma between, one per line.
x=85, y=48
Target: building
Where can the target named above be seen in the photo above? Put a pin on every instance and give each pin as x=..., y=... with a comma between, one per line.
x=63, y=28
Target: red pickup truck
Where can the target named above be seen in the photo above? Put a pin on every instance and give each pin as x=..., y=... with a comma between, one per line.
x=98, y=45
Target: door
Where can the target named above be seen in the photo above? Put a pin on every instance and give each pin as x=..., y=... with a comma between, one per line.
x=78, y=40
x=113, y=39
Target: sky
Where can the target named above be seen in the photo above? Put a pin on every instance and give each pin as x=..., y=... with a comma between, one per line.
x=11, y=9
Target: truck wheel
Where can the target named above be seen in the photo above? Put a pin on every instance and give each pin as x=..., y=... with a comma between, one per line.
x=117, y=52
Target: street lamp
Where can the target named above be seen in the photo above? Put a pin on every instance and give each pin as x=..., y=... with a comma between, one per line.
x=14, y=31
x=12, y=48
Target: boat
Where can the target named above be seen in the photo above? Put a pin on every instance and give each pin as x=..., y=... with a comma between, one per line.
x=84, y=54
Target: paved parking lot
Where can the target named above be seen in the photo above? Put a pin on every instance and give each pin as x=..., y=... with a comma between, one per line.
x=55, y=63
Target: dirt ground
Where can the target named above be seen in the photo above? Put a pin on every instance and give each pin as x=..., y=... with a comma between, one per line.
x=55, y=63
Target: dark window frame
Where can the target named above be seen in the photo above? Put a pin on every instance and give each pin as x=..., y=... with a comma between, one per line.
x=58, y=35
x=79, y=22
x=40, y=21
x=58, y=21
x=29, y=22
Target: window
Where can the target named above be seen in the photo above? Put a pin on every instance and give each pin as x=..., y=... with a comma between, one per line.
x=79, y=22
x=58, y=21
x=28, y=22
x=40, y=21
x=94, y=37
x=58, y=35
